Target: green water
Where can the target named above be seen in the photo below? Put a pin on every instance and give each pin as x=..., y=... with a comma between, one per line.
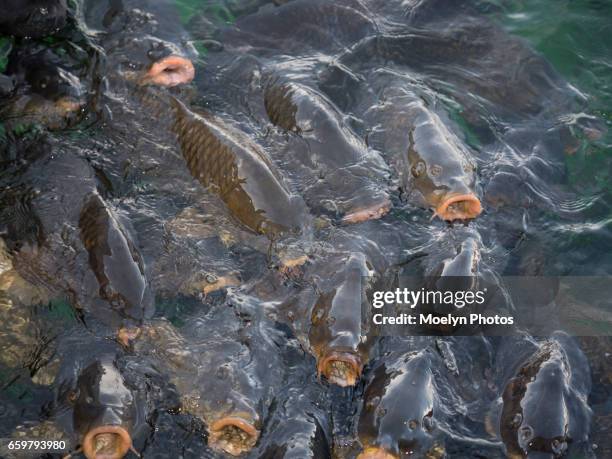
x=576, y=37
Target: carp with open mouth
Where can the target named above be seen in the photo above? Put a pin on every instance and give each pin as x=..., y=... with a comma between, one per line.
x=225, y=368
x=434, y=167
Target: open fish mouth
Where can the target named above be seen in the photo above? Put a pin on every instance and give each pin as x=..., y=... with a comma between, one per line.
x=376, y=453
x=107, y=442
x=169, y=71
x=459, y=207
x=233, y=435
x=341, y=368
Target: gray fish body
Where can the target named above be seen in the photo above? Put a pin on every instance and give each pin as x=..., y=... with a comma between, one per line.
x=401, y=411
x=336, y=169
x=544, y=409
x=113, y=258
x=330, y=26
x=431, y=161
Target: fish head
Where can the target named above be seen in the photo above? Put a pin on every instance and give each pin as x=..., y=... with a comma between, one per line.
x=151, y=61
x=104, y=411
x=399, y=415
x=233, y=434
x=544, y=427
x=444, y=178
x=336, y=333
x=538, y=411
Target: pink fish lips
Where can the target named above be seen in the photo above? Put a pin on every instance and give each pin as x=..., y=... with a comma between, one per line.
x=233, y=435
x=107, y=442
x=459, y=207
x=169, y=71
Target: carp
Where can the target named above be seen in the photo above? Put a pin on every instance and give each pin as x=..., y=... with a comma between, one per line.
x=66, y=240
x=48, y=88
x=401, y=406
x=544, y=411
x=328, y=316
x=113, y=258
x=299, y=423
x=337, y=165
x=104, y=411
x=224, y=369
x=435, y=168
x=226, y=161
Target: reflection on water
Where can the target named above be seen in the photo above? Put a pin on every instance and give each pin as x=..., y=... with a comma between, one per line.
x=182, y=254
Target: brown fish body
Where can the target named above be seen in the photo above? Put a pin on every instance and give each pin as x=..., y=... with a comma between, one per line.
x=227, y=162
x=333, y=164
x=431, y=160
x=113, y=258
x=331, y=316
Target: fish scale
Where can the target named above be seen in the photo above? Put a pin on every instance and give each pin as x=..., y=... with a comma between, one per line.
x=113, y=258
x=208, y=159
x=280, y=107
x=228, y=163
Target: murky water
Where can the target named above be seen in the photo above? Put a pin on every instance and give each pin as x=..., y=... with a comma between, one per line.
x=182, y=262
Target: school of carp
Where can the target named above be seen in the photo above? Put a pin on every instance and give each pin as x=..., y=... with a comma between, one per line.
x=217, y=221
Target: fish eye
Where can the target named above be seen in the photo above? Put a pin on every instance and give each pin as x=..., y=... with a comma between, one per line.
x=380, y=411
x=43, y=82
x=428, y=421
x=517, y=420
x=526, y=433
x=413, y=424
x=418, y=169
x=558, y=446
x=435, y=170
